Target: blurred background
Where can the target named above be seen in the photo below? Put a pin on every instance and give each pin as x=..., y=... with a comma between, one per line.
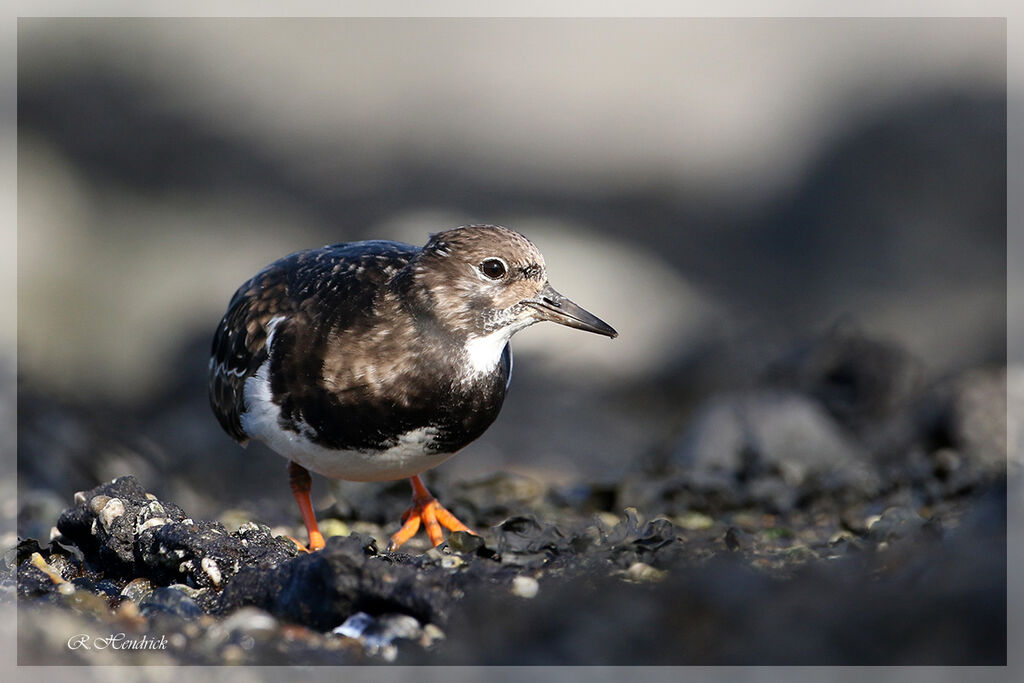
x=724, y=192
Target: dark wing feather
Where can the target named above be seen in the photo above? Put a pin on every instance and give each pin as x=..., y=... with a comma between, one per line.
x=240, y=343
x=329, y=284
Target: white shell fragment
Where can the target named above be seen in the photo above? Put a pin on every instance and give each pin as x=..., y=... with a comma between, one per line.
x=211, y=569
x=111, y=511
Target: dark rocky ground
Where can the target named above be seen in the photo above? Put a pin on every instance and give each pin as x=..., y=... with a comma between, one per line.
x=776, y=495
x=839, y=510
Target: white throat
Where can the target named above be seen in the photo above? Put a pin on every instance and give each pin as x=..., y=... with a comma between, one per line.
x=483, y=353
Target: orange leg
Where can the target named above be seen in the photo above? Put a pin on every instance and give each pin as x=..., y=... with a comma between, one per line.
x=301, y=484
x=426, y=510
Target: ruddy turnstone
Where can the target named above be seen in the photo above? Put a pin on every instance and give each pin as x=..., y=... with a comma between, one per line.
x=377, y=360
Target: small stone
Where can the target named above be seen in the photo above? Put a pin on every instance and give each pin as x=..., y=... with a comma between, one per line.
x=694, y=521
x=378, y=634
x=113, y=509
x=391, y=627
x=732, y=538
x=170, y=601
x=451, y=562
x=97, y=503
x=85, y=602
x=251, y=620
x=431, y=634
x=644, y=573
x=895, y=522
x=525, y=587
x=334, y=527
x=464, y=542
x=80, y=498
x=232, y=654
x=128, y=612
x=633, y=514
x=137, y=590
x=354, y=626
x=840, y=536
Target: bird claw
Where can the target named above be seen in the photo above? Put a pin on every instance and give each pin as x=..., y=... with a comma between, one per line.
x=316, y=542
x=432, y=515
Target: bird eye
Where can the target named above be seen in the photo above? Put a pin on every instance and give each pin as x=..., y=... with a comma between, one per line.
x=494, y=268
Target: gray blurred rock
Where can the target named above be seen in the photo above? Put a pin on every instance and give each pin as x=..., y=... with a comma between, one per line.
x=978, y=418
x=773, y=445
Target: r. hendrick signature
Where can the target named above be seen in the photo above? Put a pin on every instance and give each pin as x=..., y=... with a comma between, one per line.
x=116, y=641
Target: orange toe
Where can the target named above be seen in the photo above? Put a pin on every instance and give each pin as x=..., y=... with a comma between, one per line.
x=432, y=515
x=316, y=542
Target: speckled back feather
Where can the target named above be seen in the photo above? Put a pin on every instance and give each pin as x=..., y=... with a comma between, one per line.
x=287, y=288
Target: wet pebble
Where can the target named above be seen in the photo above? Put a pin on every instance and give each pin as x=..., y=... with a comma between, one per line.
x=732, y=538
x=463, y=542
x=640, y=572
x=380, y=635
x=525, y=587
x=167, y=600
x=84, y=602
x=252, y=621
x=452, y=562
x=137, y=590
x=431, y=634
x=97, y=503
x=694, y=521
x=894, y=523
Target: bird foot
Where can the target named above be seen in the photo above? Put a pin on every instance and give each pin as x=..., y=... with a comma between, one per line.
x=316, y=542
x=433, y=516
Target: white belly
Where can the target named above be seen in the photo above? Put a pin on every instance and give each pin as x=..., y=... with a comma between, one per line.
x=408, y=457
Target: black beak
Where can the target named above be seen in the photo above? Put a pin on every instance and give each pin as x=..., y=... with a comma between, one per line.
x=554, y=307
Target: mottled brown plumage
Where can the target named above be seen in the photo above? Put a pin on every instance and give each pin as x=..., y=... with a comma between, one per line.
x=377, y=360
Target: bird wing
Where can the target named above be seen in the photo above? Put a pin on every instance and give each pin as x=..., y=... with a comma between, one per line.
x=280, y=295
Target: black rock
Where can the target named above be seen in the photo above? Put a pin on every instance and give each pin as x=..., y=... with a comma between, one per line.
x=123, y=531
x=322, y=589
x=107, y=519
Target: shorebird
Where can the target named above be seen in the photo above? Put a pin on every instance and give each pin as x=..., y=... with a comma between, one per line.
x=378, y=360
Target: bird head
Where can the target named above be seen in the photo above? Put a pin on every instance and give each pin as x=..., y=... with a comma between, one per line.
x=489, y=280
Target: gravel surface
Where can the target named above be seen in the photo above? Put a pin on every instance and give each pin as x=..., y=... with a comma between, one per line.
x=776, y=527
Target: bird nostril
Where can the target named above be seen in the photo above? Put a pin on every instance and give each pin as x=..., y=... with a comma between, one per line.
x=551, y=302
